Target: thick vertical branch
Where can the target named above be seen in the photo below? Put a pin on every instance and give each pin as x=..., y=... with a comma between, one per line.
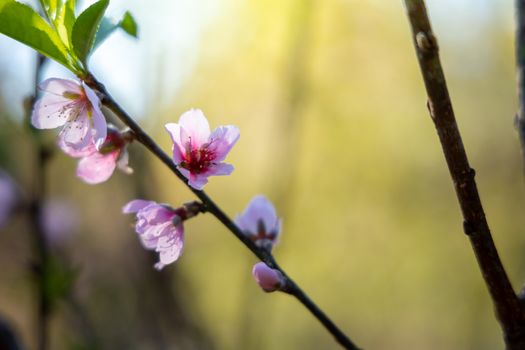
x=520, y=62
x=507, y=306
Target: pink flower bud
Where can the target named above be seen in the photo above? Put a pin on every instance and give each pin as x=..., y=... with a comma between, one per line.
x=267, y=278
x=259, y=221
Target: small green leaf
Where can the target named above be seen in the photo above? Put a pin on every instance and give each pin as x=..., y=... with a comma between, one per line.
x=50, y=7
x=22, y=23
x=85, y=29
x=108, y=27
x=128, y=24
x=64, y=21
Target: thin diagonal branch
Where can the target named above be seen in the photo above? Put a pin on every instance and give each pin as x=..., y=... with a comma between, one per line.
x=210, y=206
x=506, y=303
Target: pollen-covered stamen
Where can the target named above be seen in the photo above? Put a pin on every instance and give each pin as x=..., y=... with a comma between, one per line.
x=198, y=160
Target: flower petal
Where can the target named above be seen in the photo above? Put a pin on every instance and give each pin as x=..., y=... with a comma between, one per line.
x=267, y=278
x=97, y=167
x=197, y=181
x=219, y=169
x=259, y=209
x=136, y=205
x=76, y=153
x=170, y=246
x=77, y=132
x=122, y=162
x=177, y=148
x=196, y=126
x=222, y=140
x=58, y=87
x=99, y=121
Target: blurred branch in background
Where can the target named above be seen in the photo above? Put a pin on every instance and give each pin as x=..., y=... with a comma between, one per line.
x=35, y=217
x=508, y=309
x=520, y=62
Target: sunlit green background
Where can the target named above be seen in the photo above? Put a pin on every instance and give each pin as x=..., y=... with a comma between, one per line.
x=334, y=129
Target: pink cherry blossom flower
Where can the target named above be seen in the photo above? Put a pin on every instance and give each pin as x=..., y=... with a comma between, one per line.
x=267, y=278
x=75, y=107
x=259, y=221
x=159, y=229
x=197, y=152
x=9, y=197
x=96, y=166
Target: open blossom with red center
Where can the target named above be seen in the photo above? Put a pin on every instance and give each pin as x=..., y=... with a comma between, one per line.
x=96, y=166
x=259, y=221
x=75, y=107
x=159, y=228
x=198, y=152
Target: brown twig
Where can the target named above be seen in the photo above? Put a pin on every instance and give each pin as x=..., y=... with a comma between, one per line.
x=212, y=208
x=506, y=303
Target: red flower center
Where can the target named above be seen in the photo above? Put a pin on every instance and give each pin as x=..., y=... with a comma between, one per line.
x=198, y=160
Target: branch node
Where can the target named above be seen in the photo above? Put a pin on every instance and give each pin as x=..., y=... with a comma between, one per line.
x=468, y=228
x=426, y=42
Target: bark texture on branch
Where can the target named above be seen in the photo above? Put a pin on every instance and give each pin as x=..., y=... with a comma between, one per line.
x=507, y=306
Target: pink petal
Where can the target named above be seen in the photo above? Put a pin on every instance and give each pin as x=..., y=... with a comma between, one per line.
x=178, y=148
x=76, y=153
x=170, y=246
x=222, y=140
x=97, y=167
x=259, y=208
x=99, y=122
x=197, y=181
x=136, y=205
x=196, y=126
x=150, y=237
x=219, y=169
x=77, y=133
x=267, y=278
x=58, y=87
x=51, y=111
x=122, y=162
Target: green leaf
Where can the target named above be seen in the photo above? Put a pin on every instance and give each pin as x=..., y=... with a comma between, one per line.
x=22, y=23
x=64, y=21
x=85, y=29
x=50, y=7
x=128, y=24
x=107, y=27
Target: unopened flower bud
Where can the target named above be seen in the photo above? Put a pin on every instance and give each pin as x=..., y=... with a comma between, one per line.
x=267, y=278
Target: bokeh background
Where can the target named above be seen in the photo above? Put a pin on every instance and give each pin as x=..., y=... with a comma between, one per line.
x=334, y=129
